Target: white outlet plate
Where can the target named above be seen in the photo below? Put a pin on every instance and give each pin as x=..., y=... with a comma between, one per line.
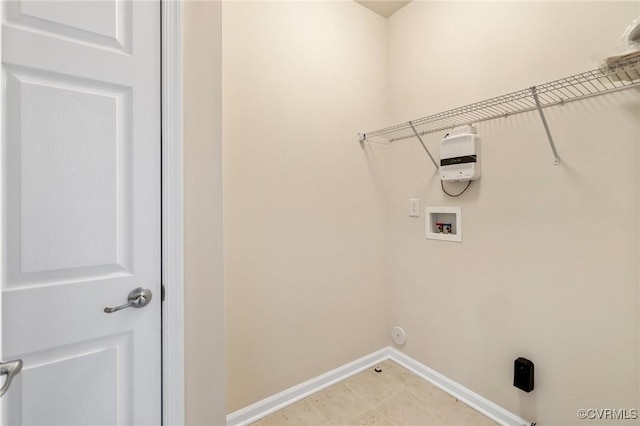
x=414, y=207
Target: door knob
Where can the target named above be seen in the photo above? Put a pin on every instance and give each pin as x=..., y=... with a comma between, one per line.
x=138, y=298
x=10, y=368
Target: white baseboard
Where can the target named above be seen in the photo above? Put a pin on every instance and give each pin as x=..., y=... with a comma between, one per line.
x=461, y=393
x=289, y=396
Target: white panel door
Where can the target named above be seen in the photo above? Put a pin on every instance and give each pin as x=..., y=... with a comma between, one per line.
x=80, y=194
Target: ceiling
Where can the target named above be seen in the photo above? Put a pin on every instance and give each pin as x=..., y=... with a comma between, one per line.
x=384, y=8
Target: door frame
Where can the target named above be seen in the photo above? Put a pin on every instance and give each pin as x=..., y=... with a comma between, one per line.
x=173, y=404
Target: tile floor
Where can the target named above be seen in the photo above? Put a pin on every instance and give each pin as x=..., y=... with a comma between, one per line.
x=394, y=396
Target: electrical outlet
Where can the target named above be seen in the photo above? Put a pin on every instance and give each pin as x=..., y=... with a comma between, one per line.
x=414, y=207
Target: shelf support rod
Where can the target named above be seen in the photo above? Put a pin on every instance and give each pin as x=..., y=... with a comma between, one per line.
x=425, y=147
x=556, y=158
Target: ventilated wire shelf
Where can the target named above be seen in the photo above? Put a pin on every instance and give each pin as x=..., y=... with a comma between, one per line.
x=617, y=75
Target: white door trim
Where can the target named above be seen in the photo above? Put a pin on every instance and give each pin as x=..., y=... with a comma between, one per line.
x=172, y=216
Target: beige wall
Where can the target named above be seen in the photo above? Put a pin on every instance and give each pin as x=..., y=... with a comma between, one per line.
x=548, y=266
x=320, y=256
x=304, y=217
x=204, y=289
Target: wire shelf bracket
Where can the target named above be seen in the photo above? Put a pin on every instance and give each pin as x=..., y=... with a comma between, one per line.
x=556, y=158
x=617, y=74
x=425, y=147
